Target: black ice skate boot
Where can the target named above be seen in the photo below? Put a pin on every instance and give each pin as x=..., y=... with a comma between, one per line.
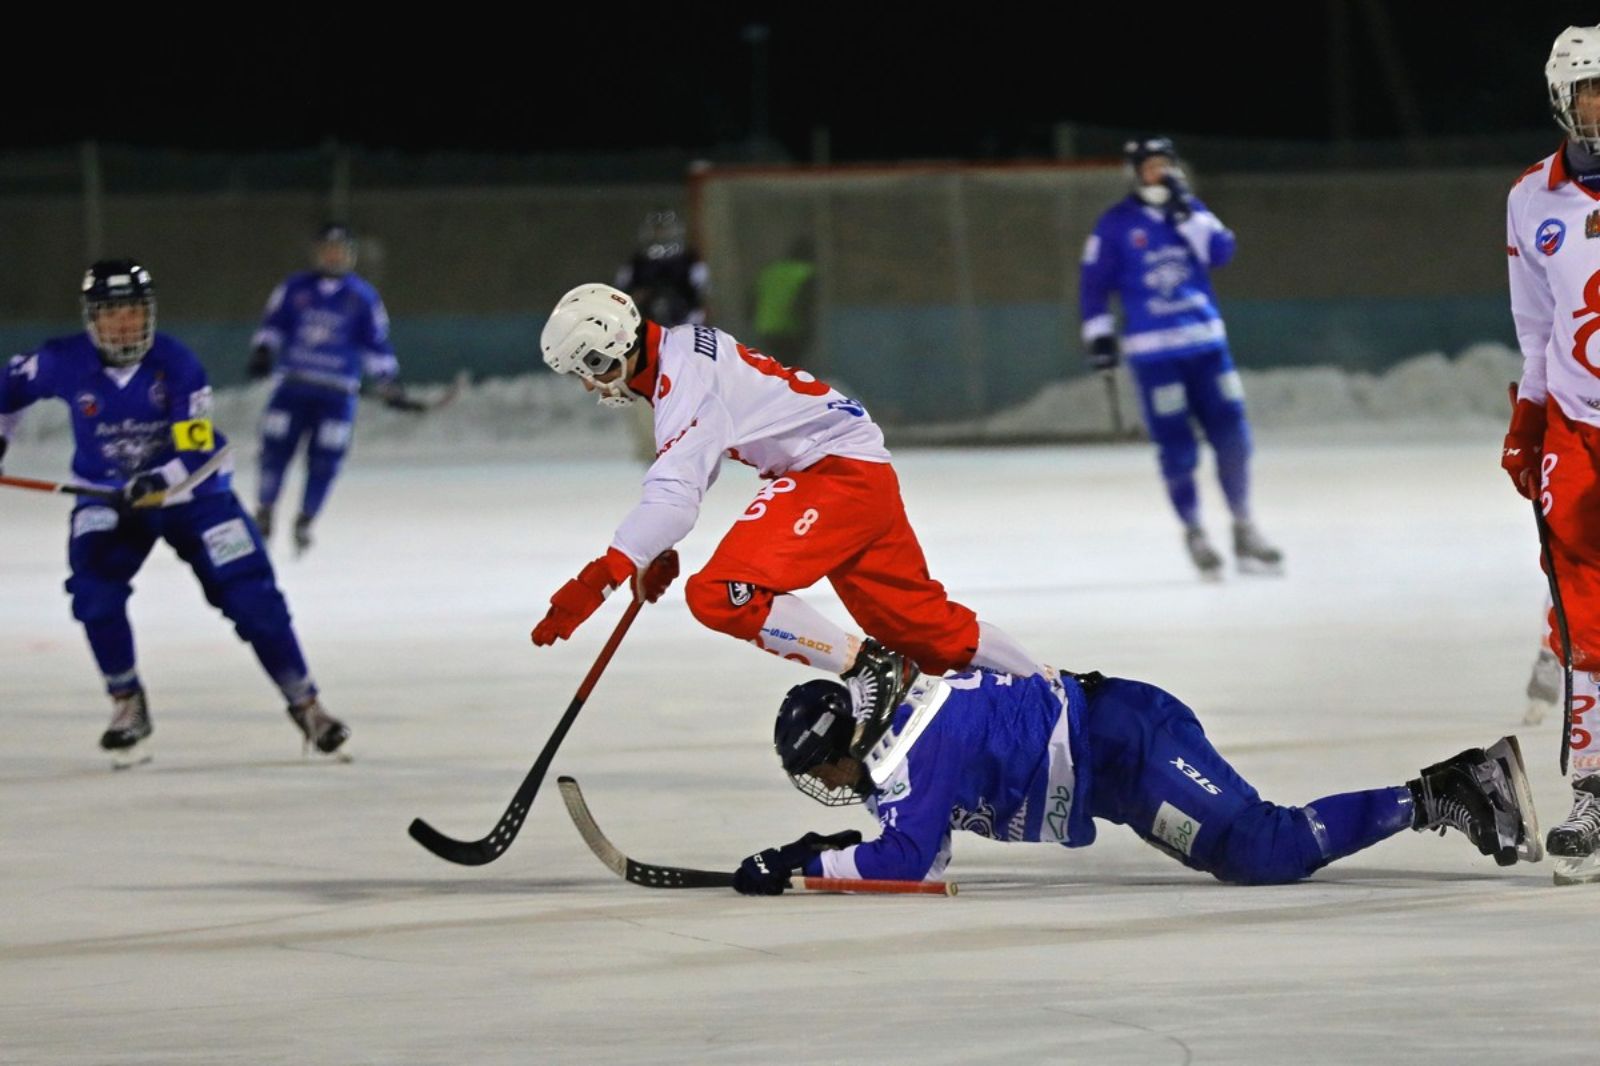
x=302, y=534
x=1574, y=845
x=1251, y=552
x=877, y=681
x=125, y=738
x=323, y=731
x=1485, y=795
x=1202, y=554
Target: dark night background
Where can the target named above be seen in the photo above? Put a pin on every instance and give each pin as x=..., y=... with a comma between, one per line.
x=982, y=82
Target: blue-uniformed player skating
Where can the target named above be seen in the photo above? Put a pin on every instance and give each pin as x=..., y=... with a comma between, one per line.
x=1155, y=250
x=324, y=331
x=1041, y=759
x=141, y=421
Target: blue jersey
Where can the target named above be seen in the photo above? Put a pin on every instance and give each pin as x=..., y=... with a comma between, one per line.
x=327, y=332
x=992, y=754
x=1161, y=273
x=154, y=415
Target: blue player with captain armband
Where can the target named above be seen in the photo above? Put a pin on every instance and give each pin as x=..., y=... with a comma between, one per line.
x=141, y=423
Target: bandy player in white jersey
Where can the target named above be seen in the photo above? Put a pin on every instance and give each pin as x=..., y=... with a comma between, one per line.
x=831, y=506
x=1552, y=450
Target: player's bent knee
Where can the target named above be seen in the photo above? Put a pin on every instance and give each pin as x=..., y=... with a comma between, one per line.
x=94, y=599
x=254, y=605
x=736, y=608
x=1268, y=845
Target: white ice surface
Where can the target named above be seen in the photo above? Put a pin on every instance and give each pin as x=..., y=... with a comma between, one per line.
x=232, y=902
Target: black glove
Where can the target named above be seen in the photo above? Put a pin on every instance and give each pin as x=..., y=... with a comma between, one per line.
x=1104, y=353
x=766, y=873
x=141, y=485
x=393, y=395
x=260, y=364
x=1180, y=205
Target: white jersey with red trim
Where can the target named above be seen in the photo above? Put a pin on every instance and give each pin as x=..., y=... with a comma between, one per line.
x=1553, y=243
x=714, y=397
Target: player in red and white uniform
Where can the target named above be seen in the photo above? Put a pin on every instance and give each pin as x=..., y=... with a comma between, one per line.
x=1552, y=450
x=830, y=508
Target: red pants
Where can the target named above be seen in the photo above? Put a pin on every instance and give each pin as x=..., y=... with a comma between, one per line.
x=1571, y=499
x=843, y=520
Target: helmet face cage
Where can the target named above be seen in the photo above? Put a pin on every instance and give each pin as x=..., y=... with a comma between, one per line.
x=109, y=285
x=1136, y=154
x=1573, y=75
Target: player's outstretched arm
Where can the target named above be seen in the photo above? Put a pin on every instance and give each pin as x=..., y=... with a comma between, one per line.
x=767, y=872
x=579, y=598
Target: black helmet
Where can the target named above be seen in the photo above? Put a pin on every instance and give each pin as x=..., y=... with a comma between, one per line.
x=816, y=725
x=1136, y=152
x=111, y=283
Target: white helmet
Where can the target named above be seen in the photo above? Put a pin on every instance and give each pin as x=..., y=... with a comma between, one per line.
x=1574, y=59
x=591, y=331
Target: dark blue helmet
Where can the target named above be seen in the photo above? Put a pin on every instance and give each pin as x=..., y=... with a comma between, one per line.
x=335, y=245
x=816, y=725
x=1136, y=152
x=110, y=284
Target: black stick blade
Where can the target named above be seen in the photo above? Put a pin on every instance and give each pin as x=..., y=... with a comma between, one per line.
x=640, y=873
x=472, y=852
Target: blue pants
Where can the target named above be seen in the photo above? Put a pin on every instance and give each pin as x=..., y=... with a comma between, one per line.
x=214, y=536
x=1154, y=771
x=325, y=418
x=1201, y=386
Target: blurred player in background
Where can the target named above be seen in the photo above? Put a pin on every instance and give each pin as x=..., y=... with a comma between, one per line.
x=831, y=507
x=1552, y=449
x=1041, y=758
x=666, y=277
x=324, y=330
x=141, y=420
x=1155, y=250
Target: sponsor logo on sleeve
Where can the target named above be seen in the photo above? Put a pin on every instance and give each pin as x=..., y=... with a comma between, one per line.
x=1550, y=235
x=1196, y=776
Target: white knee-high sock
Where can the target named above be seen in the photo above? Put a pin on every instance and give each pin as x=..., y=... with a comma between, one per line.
x=795, y=631
x=998, y=651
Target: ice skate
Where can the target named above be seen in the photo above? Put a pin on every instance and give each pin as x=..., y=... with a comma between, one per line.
x=1251, y=552
x=1485, y=795
x=1545, y=687
x=323, y=732
x=127, y=737
x=264, y=521
x=1204, y=556
x=302, y=534
x=1574, y=845
x=877, y=680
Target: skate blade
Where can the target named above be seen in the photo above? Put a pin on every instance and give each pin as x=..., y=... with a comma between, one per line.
x=1507, y=751
x=1576, y=871
x=1257, y=568
x=338, y=755
x=127, y=758
x=1212, y=576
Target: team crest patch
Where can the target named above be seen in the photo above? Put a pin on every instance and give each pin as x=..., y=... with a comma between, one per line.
x=1550, y=235
x=1175, y=829
x=88, y=404
x=158, y=394
x=1137, y=238
x=740, y=592
x=1591, y=225
x=664, y=387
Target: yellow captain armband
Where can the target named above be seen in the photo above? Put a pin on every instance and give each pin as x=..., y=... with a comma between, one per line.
x=195, y=435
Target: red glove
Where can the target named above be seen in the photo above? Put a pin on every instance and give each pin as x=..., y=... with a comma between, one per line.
x=1524, y=447
x=582, y=596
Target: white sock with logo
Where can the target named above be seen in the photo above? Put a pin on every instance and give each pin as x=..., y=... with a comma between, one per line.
x=795, y=631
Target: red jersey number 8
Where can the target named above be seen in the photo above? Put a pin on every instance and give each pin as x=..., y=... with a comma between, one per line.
x=799, y=380
x=1580, y=339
